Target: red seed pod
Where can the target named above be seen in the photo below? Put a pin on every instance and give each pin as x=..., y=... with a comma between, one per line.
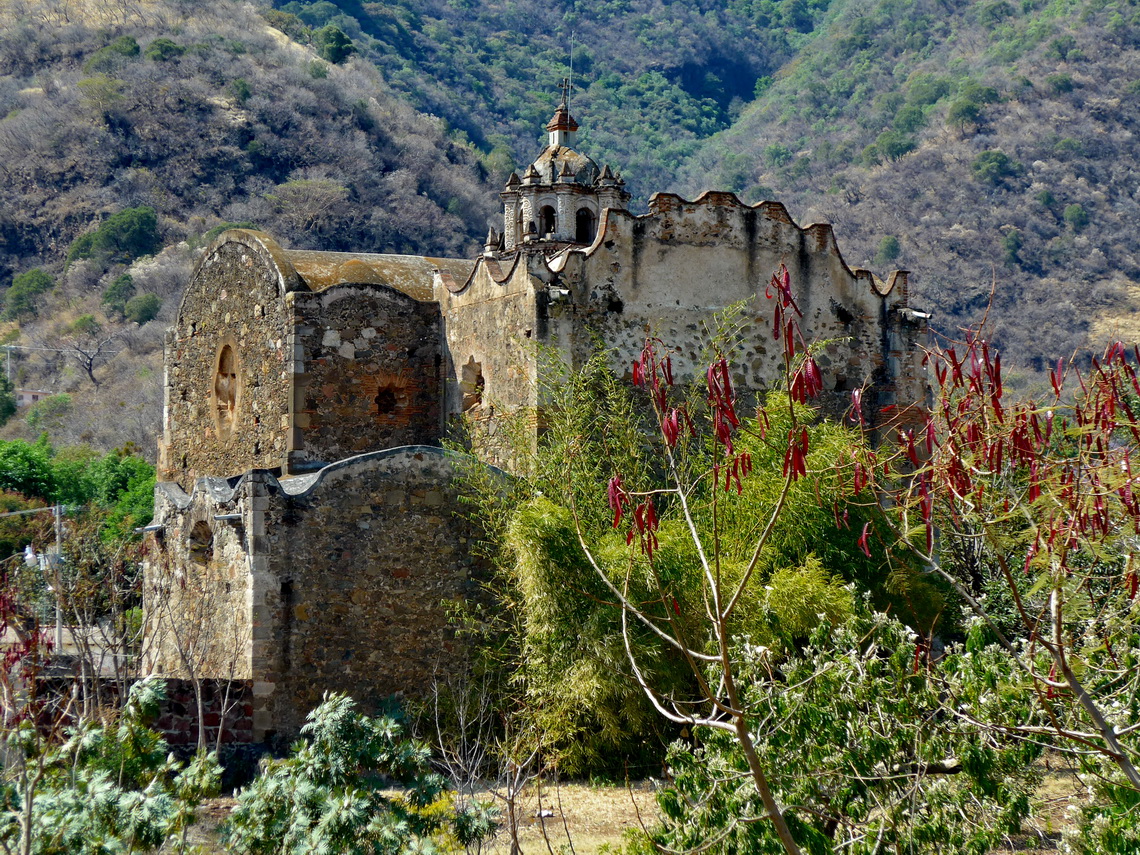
x=863, y=540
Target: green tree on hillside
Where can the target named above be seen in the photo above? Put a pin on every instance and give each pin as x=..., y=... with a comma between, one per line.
x=125, y=236
x=332, y=44
x=20, y=299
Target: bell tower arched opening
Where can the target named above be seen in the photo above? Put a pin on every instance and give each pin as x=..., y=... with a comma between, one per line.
x=585, y=226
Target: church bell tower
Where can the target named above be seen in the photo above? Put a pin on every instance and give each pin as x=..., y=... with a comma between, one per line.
x=561, y=195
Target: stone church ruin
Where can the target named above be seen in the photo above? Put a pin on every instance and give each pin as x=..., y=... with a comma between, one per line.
x=307, y=533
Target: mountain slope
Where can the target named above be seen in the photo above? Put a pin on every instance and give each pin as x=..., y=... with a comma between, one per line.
x=982, y=142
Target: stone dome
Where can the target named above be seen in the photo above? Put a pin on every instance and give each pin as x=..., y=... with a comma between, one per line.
x=559, y=163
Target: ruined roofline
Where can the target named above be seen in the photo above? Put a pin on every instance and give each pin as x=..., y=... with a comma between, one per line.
x=225, y=490
x=661, y=203
x=316, y=271
x=494, y=269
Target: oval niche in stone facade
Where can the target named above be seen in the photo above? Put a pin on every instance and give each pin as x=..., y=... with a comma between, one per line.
x=226, y=390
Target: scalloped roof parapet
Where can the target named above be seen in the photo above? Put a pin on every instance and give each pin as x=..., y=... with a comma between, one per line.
x=824, y=233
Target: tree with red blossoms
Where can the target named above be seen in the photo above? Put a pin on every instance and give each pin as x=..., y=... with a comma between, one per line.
x=1031, y=510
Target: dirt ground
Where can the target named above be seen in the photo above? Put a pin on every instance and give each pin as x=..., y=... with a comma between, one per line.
x=582, y=819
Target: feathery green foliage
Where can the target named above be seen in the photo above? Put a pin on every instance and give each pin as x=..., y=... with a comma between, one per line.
x=851, y=727
x=106, y=789
x=328, y=795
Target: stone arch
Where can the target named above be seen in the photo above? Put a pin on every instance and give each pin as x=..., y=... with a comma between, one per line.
x=548, y=221
x=585, y=226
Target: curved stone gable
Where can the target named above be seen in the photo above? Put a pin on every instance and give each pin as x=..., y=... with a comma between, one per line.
x=228, y=363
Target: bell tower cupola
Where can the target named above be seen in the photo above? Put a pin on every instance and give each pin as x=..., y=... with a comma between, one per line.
x=562, y=194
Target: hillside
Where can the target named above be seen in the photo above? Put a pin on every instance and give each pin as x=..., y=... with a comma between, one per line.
x=140, y=128
x=978, y=144
x=981, y=145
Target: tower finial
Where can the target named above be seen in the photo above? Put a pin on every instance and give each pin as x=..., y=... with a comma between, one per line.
x=565, y=86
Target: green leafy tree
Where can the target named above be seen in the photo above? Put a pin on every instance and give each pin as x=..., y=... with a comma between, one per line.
x=112, y=56
x=1076, y=216
x=163, y=49
x=142, y=308
x=993, y=167
x=20, y=299
x=1011, y=243
x=848, y=724
x=332, y=44
x=48, y=414
x=330, y=795
x=118, y=292
x=7, y=400
x=122, y=237
x=889, y=250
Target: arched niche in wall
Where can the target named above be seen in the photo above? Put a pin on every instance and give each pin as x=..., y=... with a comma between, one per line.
x=225, y=391
x=201, y=544
x=392, y=397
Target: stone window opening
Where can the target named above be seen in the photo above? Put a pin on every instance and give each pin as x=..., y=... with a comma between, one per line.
x=392, y=397
x=201, y=543
x=472, y=383
x=585, y=226
x=549, y=221
x=226, y=390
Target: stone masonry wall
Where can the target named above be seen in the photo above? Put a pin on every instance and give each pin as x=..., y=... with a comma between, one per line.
x=672, y=270
x=222, y=420
x=362, y=567
x=197, y=584
x=372, y=361
x=493, y=327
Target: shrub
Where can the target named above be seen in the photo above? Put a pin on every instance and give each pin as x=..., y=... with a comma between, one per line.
x=332, y=44
x=20, y=301
x=142, y=308
x=963, y=112
x=777, y=155
x=329, y=795
x=118, y=292
x=1059, y=83
x=127, y=235
x=889, y=250
x=1076, y=216
x=111, y=56
x=50, y=413
x=288, y=23
x=163, y=49
x=1011, y=246
x=7, y=400
x=993, y=167
x=239, y=88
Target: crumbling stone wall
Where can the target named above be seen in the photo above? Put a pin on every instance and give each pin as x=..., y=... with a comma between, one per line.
x=366, y=564
x=372, y=369
x=228, y=367
x=197, y=583
x=494, y=325
x=345, y=578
